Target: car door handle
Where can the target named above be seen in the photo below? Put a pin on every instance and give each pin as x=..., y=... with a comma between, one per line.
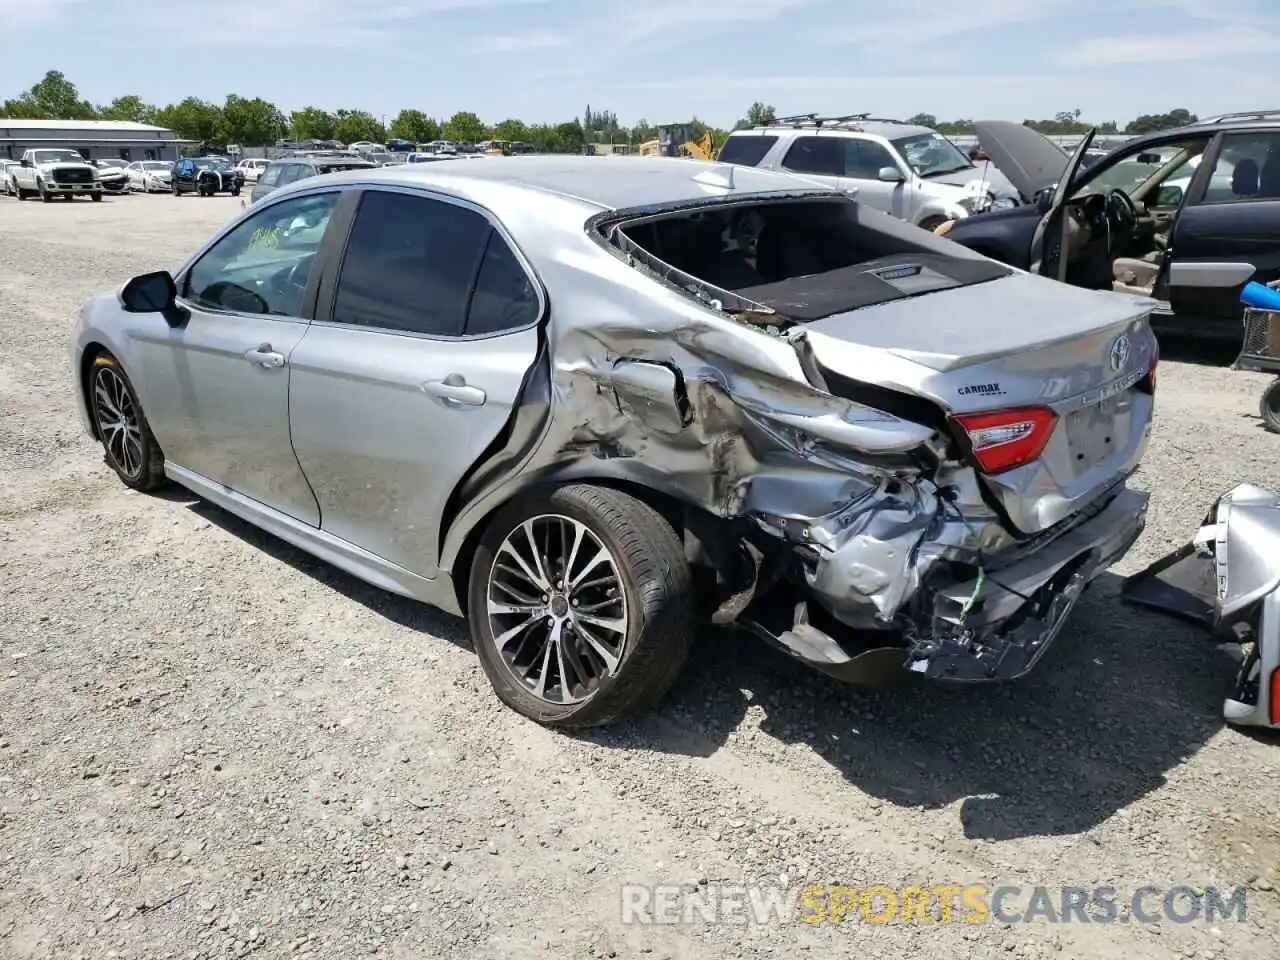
x=264, y=356
x=454, y=391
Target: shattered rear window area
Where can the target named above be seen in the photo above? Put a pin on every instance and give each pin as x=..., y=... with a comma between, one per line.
x=782, y=262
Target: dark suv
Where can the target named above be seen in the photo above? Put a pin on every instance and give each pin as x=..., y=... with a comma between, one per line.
x=1186, y=216
x=206, y=176
x=288, y=169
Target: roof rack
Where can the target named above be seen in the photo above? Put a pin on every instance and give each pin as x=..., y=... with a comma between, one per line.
x=1242, y=117
x=813, y=120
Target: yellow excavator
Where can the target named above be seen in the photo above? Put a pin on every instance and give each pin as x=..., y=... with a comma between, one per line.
x=674, y=141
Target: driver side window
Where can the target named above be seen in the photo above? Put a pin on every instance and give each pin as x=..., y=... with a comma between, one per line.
x=262, y=265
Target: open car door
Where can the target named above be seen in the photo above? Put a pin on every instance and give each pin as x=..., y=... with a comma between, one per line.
x=1213, y=247
x=1049, y=245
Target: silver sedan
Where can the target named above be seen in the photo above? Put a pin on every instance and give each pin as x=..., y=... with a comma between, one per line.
x=587, y=404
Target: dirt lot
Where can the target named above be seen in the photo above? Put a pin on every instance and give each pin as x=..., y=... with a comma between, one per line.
x=211, y=745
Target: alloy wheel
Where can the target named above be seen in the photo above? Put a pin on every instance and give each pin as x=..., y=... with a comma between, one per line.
x=118, y=424
x=557, y=609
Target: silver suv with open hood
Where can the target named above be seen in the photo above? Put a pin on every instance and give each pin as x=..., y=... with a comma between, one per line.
x=911, y=172
x=587, y=404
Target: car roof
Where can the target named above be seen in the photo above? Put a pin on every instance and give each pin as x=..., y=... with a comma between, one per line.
x=605, y=183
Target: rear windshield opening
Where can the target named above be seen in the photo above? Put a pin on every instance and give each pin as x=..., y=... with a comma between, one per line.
x=803, y=260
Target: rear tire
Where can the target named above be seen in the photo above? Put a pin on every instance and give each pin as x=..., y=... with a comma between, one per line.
x=632, y=595
x=1269, y=406
x=128, y=445
x=95, y=197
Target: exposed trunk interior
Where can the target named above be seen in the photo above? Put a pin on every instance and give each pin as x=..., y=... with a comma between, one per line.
x=805, y=260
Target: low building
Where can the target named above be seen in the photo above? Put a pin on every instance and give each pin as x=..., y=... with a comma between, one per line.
x=94, y=139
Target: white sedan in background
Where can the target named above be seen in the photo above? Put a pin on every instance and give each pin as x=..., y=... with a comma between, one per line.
x=252, y=167
x=150, y=176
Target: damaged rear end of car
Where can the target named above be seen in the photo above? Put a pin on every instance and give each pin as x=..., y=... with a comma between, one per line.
x=885, y=452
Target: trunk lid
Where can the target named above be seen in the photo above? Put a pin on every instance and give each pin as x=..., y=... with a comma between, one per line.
x=1021, y=343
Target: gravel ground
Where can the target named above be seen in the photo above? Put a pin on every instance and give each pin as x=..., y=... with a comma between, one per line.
x=212, y=745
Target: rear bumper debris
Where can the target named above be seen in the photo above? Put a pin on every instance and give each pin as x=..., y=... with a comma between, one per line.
x=1227, y=581
x=990, y=626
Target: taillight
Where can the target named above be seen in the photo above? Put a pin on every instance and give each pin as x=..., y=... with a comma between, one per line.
x=1148, y=383
x=1273, y=701
x=1004, y=439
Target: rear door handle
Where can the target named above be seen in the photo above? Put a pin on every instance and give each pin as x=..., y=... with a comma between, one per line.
x=454, y=391
x=264, y=356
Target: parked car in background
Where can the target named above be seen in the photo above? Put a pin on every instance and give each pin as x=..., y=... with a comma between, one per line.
x=6, y=178
x=869, y=446
x=50, y=173
x=279, y=173
x=112, y=175
x=910, y=172
x=206, y=176
x=252, y=168
x=150, y=176
x=1187, y=216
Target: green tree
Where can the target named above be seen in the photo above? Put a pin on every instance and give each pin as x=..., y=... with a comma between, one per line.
x=416, y=126
x=351, y=126
x=924, y=120
x=311, y=123
x=465, y=126
x=758, y=115
x=129, y=108
x=53, y=98
x=252, y=123
x=511, y=130
x=1151, y=122
x=192, y=119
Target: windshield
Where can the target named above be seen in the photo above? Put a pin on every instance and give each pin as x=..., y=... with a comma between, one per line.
x=213, y=163
x=111, y=163
x=56, y=156
x=156, y=165
x=1131, y=172
x=932, y=154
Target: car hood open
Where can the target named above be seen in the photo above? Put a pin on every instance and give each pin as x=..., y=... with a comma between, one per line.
x=1029, y=159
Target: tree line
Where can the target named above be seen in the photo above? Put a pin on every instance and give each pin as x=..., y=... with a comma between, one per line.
x=254, y=122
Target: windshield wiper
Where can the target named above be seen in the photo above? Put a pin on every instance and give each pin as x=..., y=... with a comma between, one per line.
x=939, y=173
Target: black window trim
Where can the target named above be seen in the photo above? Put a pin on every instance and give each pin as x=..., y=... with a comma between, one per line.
x=328, y=291
x=771, y=138
x=318, y=268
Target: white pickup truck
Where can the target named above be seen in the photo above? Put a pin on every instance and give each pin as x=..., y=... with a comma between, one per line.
x=55, y=173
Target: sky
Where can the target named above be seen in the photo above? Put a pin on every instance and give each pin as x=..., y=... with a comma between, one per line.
x=661, y=60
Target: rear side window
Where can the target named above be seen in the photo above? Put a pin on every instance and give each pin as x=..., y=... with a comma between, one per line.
x=271, y=176
x=504, y=298
x=409, y=265
x=747, y=151
x=821, y=155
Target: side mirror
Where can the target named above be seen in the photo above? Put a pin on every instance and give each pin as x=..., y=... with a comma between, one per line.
x=1044, y=199
x=24, y=162
x=149, y=293
x=1170, y=196
x=890, y=175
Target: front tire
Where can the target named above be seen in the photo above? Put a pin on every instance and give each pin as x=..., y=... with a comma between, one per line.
x=128, y=445
x=1269, y=406
x=581, y=605
x=95, y=197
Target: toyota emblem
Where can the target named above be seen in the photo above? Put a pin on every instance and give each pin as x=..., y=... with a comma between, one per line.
x=1119, y=353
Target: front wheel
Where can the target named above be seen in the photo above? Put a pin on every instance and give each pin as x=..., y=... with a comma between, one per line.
x=581, y=605
x=95, y=197
x=1269, y=406
x=129, y=447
